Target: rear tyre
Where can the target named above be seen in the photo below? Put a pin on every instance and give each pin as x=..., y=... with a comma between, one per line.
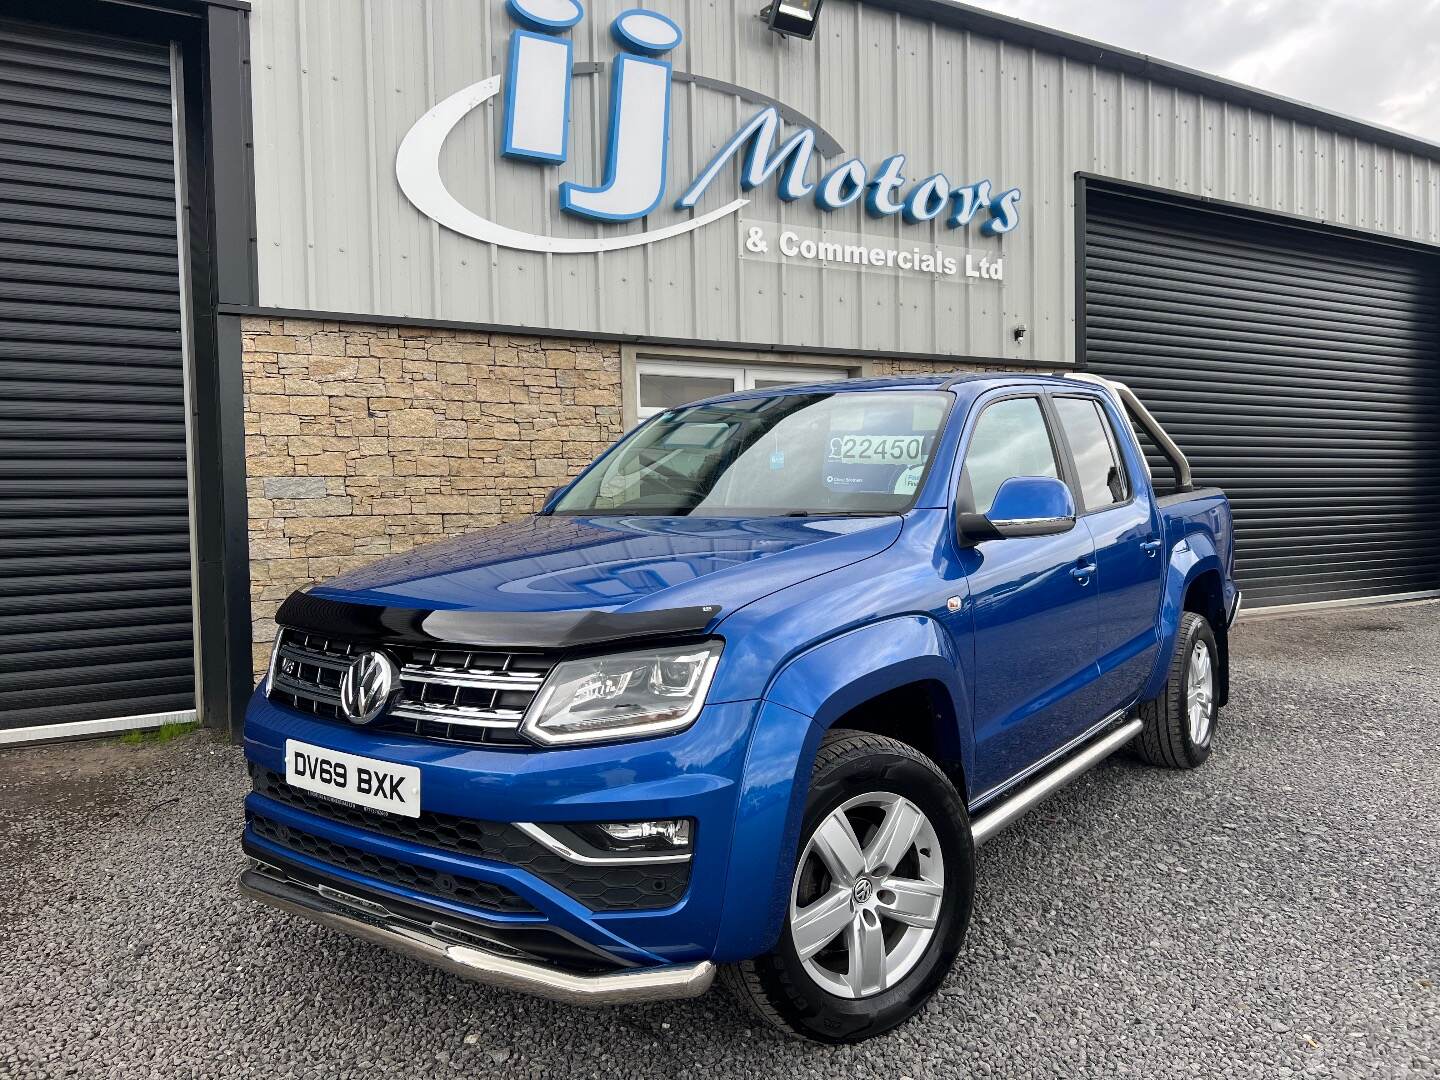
x=1180, y=722
x=880, y=898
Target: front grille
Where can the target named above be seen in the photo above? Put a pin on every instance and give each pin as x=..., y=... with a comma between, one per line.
x=477, y=894
x=448, y=693
x=599, y=888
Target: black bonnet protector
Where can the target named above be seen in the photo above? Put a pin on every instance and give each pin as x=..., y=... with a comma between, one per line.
x=372, y=624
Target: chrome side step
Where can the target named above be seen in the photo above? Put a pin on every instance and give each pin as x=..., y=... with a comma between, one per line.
x=990, y=821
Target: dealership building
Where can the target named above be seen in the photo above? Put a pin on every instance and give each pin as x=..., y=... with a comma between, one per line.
x=289, y=285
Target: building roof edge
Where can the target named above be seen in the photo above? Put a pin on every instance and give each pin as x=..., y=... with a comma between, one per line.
x=1006, y=28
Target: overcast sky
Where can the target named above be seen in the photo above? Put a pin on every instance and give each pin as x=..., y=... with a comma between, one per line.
x=1378, y=60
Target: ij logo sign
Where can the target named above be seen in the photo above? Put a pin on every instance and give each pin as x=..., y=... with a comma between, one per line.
x=537, y=99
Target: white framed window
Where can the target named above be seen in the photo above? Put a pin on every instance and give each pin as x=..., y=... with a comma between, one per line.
x=665, y=384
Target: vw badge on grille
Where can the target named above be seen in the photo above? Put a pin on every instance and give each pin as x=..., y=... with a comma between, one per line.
x=367, y=686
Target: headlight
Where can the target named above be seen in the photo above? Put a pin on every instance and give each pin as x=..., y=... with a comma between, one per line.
x=622, y=696
x=269, y=680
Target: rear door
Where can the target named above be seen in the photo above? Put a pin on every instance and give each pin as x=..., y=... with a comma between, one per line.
x=1033, y=601
x=1117, y=508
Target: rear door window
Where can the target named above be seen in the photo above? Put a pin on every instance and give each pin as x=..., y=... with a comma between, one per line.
x=1099, y=469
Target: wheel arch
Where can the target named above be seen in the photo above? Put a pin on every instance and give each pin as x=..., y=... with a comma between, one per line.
x=1194, y=569
x=920, y=714
x=900, y=677
x=859, y=680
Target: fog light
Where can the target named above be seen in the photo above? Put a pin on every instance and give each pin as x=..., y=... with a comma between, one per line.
x=668, y=835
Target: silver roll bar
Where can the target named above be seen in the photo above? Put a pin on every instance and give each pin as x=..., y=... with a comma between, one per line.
x=1141, y=415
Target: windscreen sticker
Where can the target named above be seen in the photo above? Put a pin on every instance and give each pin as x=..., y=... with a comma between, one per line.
x=909, y=480
x=884, y=461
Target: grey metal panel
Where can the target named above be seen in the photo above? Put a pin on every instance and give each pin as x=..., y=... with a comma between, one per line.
x=95, y=613
x=338, y=82
x=1298, y=371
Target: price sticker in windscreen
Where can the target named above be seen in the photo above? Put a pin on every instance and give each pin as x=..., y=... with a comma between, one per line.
x=877, y=449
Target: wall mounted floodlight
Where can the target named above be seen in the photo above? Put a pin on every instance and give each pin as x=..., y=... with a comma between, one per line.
x=792, y=18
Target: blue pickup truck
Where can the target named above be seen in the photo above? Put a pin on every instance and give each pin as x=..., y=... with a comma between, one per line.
x=744, y=697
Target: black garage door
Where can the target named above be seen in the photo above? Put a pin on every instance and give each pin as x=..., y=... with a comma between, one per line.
x=95, y=618
x=1298, y=370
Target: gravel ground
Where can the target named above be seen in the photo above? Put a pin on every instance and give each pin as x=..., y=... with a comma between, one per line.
x=1273, y=914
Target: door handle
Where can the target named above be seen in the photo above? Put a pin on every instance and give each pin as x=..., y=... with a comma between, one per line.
x=1082, y=572
x=1151, y=547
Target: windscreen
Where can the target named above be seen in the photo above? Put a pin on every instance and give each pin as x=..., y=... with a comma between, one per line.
x=836, y=453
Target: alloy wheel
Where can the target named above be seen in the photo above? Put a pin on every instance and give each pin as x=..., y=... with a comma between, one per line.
x=868, y=892
x=1200, y=692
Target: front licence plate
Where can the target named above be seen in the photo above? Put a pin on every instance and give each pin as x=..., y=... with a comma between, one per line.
x=363, y=781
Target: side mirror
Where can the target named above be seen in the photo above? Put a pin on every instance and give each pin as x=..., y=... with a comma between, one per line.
x=1024, y=506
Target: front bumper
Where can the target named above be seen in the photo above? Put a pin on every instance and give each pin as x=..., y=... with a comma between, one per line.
x=373, y=921
x=737, y=754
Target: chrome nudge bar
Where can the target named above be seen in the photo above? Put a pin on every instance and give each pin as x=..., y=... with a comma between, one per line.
x=479, y=962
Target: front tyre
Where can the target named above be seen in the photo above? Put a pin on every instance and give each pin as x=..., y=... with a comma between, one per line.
x=1180, y=722
x=880, y=898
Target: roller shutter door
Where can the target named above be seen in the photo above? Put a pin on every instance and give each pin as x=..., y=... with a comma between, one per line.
x=95, y=612
x=1298, y=370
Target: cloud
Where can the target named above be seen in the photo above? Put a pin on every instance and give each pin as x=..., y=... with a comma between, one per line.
x=1378, y=60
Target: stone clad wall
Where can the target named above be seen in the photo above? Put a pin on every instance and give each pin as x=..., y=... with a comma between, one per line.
x=366, y=440
x=900, y=367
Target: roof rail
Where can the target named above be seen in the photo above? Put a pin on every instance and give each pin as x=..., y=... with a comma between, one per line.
x=1141, y=415
x=955, y=378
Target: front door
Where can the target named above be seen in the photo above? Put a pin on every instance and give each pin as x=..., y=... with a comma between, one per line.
x=1033, y=600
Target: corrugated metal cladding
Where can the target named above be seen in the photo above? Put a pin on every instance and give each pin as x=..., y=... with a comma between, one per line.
x=338, y=82
x=1299, y=371
x=94, y=536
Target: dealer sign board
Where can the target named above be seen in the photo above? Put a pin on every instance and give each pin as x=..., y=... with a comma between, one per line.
x=588, y=168
x=633, y=183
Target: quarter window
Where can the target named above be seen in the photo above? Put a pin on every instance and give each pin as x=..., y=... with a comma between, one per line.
x=1103, y=482
x=1010, y=439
